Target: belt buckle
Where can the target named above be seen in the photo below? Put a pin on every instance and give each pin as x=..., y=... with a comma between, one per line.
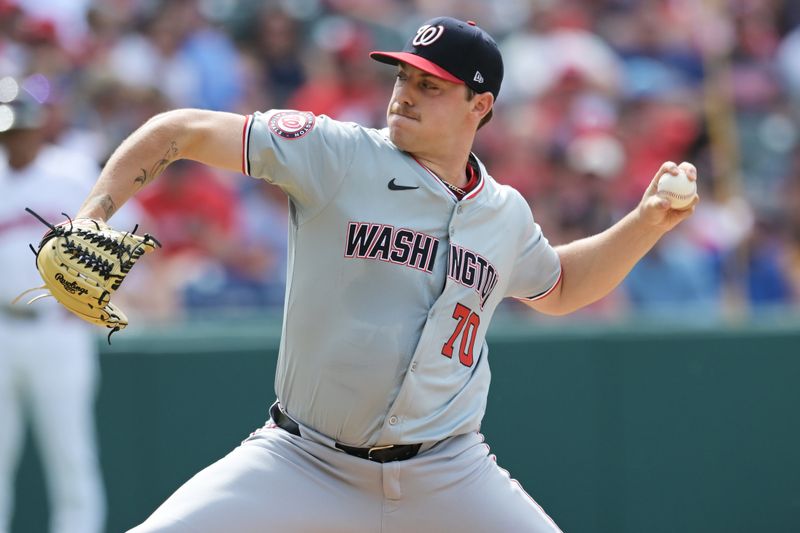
x=378, y=448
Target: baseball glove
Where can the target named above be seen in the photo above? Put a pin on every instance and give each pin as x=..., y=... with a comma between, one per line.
x=82, y=263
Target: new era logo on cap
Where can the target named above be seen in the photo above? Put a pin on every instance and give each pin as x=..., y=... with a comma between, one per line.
x=453, y=50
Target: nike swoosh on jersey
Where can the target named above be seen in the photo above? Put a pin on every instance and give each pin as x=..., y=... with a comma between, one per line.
x=395, y=187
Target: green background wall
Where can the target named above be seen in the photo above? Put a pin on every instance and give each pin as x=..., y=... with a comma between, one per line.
x=611, y=429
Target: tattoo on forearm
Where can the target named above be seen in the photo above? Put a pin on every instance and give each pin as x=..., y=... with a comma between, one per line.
x=100, y=206
x=158, y=167
x=107, y=205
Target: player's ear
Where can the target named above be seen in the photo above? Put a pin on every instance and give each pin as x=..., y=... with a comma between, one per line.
x=482, y=104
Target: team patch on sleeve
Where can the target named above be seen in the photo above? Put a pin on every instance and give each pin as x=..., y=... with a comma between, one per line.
x=291, y=124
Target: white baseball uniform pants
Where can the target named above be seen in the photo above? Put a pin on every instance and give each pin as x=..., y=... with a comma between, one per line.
x=276, y=481
x=48, y=370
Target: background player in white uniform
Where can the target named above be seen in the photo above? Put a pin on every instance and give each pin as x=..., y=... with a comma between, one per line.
x=48, y=363
x=401, y=247
x=48, y=358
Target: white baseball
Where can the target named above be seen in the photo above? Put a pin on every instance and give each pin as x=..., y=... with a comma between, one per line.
x=677, y=188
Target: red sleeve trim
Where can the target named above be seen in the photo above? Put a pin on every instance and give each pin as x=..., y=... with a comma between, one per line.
x=245, y=144
x=548, y=291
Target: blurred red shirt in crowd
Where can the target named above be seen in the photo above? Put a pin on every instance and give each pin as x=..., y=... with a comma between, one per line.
x=192, y=209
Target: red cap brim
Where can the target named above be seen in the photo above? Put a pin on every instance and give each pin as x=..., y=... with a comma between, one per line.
x=392, y=58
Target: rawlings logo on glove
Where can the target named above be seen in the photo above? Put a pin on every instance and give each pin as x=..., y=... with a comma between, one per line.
x=71, y=287
x=82, y=263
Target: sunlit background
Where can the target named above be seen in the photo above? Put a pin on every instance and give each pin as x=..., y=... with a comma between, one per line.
x=596, y=95
x=613, y=421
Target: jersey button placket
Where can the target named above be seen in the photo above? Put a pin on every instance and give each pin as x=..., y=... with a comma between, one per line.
x=452, y=227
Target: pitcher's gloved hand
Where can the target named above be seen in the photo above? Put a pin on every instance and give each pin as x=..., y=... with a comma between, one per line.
x=82, y=263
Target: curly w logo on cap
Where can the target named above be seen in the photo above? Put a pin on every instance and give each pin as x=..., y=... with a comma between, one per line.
x=427, y=34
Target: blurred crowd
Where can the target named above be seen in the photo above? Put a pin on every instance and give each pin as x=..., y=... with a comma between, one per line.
x=597, y=94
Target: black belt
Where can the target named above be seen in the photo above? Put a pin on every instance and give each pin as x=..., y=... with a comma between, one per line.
x=379, y=454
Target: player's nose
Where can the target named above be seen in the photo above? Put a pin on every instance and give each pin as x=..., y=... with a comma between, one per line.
x=403, y=96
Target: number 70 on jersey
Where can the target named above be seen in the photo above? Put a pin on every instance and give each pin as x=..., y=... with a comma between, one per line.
x=466, y=329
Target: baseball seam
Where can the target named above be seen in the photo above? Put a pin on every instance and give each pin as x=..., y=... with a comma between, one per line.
x=676, y=195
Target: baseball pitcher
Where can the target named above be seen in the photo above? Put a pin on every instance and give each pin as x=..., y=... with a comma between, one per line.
x=401, y=247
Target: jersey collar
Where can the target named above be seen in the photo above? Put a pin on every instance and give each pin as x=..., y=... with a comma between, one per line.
x=479, y=169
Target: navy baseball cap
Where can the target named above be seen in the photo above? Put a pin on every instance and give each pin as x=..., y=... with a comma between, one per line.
x=453, y=50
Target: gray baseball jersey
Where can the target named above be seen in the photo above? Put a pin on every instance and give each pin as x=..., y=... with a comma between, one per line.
x=392, y=281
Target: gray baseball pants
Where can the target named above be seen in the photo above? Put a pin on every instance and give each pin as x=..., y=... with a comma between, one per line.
x=276, y=481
